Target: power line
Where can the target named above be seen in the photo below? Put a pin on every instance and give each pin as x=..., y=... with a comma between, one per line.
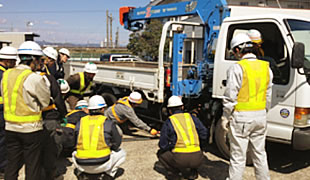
x=58, y=11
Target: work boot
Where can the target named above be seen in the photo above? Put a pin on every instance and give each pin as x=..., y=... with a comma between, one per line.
x=193, y=174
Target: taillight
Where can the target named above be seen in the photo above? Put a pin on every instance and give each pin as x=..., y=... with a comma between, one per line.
x=168, y=77
x=302, y=117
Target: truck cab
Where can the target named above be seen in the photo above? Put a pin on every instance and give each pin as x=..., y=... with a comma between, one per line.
x=288, y=118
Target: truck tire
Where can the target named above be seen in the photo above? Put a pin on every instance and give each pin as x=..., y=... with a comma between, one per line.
x=222, y=142
x=109, y=98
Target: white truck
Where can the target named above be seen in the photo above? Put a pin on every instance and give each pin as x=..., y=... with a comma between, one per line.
x=196, y=65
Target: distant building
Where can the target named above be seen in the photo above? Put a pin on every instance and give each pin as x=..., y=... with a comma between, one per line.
x=16, y=38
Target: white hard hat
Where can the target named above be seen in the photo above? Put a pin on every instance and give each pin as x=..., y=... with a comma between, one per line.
x=174, y=101
x=81, y=103
x=135, y=97
x=96, y=102
x=30, y=48
x=255, y=36
x=239, y=39
x=90, y=67
x=64, y=51
x=64, y=86
x=50, y=52
x=8, y=52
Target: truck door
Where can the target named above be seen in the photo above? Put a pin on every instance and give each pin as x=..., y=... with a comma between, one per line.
x=276, y=52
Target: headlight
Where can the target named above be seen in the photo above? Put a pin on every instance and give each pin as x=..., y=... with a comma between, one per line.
x=302, y=117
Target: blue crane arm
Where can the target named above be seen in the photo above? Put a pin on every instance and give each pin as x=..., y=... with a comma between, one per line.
x=211, y=13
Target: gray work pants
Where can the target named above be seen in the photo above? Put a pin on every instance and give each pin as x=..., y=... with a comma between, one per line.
x=248, y=130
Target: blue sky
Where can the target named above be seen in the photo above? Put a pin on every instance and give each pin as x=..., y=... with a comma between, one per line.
x=74, y=21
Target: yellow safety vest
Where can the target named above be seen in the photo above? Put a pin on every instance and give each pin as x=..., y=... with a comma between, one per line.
x=91, y=143
x=252, y=94
x=124, y=101
x=82, y=89
x=2, y=69
x=15, y=108
x=187, y=137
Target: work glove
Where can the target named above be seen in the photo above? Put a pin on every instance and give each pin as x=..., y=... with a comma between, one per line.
x=153, y=131
x=224, y=123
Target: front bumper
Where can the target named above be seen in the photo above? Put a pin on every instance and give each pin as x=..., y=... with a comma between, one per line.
x=301, y=139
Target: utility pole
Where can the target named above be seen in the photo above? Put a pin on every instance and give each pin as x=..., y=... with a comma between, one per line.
x=116, y=37
x=111, y=40
x=107, y=36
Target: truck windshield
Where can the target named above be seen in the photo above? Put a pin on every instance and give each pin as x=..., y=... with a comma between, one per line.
x=301, y=33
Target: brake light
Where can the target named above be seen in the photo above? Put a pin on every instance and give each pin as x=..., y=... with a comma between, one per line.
x=302, y=116
x=168, y=77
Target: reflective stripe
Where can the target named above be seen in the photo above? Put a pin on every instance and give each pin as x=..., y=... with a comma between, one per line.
x=252, y=94
x=91, y=142
x=82, y=85
x=69, y=125
x=10, y=98
x=124, y=101
x=47, y=71
x=74, y=111
x=50, y=107
x=2, y=69
x=187, y=137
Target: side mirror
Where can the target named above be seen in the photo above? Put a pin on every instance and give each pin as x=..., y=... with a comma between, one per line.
x=298, y=56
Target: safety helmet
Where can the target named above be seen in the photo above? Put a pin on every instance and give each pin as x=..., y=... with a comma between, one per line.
x=64, y=86
x=96, y=102
x=8, y=52
x=90, y=67
x=135, y=97
x=174, y=101
x=255, y=36
x=81, y=103
x=64, y=51
x=50, y=52
x=240, y=39
x=30, y=48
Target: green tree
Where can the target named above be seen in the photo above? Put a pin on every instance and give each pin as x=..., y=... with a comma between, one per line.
x=145, y=44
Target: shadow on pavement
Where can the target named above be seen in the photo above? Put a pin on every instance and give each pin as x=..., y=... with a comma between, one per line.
x=214, y=170
x=282, y=158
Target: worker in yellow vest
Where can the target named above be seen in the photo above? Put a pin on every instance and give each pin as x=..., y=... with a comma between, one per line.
x=98, y=143
x=246, y=101
x=123, y=110
x=180, y=140
x=8, y=56
x=24, y=94
x=73, y=117
x=80, y=83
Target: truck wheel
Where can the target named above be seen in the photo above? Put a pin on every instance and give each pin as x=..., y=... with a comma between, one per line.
x=109, y=98
x=222, y=142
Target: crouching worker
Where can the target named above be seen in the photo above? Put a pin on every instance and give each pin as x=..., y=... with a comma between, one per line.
x=179, y=143
x=98, y=143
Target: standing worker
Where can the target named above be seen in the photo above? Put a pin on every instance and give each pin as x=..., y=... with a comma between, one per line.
x=8, y=56
x=102, y=153
x=180, y=140
x=246, y=101
x=50, y=60
x=123, y=110
x=24, y=94
x=80, y=83
x=64, y=55
x=52, y=117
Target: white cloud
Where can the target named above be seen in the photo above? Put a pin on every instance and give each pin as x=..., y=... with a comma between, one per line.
x=51, y=22
x=3, y=20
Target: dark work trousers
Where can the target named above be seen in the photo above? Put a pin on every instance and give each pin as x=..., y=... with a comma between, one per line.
x=180, y=162
x=3, y=154
x=23, y=148
x=49, y=155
